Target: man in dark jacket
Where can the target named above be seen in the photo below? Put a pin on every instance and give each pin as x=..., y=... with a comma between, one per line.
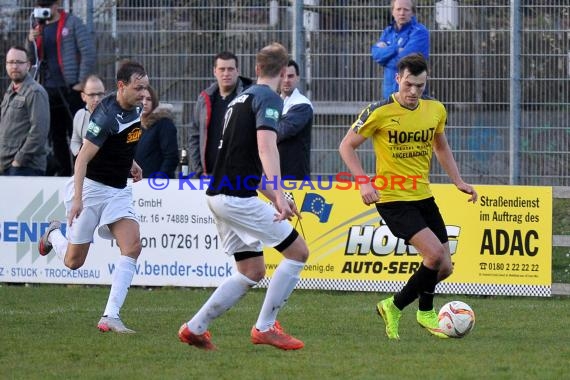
x=64, y=53
x=207, y=124
x=294, y=131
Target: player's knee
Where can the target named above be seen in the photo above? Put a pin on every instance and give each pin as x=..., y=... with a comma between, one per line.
x=137, y=248
x=73, y=262
x=445, y=271
x=435, y=259
x=303, y=254
x=256, y=274
x=298, y=251
x=134, y=249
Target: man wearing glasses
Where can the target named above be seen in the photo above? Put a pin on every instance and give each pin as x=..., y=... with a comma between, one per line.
x=93, y=92
x=24, y=124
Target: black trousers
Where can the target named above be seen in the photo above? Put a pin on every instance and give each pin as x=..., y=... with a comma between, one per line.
x=64, y=102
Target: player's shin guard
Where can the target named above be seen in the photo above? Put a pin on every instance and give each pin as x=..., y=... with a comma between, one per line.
x=280, y=288
x=427, y=293
x=422, y=281
x=230, y=291
x=122, y=280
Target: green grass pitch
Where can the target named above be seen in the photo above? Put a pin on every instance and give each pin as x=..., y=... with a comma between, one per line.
x=49, y=332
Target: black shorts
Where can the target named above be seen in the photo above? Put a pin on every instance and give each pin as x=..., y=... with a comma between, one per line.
x=407, y=218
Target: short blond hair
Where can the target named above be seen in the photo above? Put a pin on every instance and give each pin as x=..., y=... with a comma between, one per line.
x=411, y=1
x=271, y=60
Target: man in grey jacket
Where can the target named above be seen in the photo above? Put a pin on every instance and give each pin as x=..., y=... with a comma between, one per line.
x=207, y=123
x=24, y=121
x=64, y=52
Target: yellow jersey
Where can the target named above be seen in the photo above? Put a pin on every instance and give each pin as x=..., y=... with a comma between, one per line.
x=403, y=143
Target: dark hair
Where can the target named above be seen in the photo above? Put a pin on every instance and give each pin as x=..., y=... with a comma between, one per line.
x=226, y=56
x=21, y=48
x=45, y=3
x=271, y=60
x=295, y=65
x=153, y=97
x=128, y=69
x=415, y=63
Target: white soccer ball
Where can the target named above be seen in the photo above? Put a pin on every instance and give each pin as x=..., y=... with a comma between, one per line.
x=456, y=319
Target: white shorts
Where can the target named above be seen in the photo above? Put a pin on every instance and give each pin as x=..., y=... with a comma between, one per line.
x=102, y=205
x=246, y=224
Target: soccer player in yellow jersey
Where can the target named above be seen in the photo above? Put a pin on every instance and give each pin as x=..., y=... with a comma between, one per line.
x=405, y=130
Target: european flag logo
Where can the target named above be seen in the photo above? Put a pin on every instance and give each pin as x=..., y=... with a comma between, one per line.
x=316, y=204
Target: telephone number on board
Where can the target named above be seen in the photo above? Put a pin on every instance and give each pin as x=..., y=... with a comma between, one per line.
x=181, y=241
x=513, y=267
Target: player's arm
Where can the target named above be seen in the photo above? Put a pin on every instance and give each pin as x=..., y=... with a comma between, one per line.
x=86, y=154
x=347, y=150
x=268, y=193
x=269, y=155
x=445, y=158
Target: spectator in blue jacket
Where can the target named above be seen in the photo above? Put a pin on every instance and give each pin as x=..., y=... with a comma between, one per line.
x=157, y=150
x=404, y=36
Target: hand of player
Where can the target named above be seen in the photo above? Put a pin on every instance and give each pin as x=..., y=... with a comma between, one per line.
x=294, y=208
x=283, y=207
x=468, y=189
x=75, y=211
x=136, y=172
x=369, y=194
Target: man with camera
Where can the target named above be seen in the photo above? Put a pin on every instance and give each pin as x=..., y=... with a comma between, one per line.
x=63, y=51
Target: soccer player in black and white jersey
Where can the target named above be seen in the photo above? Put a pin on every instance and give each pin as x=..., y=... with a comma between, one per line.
x=98, y=194
x=245, y=223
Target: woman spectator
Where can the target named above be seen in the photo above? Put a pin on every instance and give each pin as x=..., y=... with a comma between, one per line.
x=157, y=149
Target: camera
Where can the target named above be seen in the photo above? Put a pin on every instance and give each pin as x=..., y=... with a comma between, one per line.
x=42, y=13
